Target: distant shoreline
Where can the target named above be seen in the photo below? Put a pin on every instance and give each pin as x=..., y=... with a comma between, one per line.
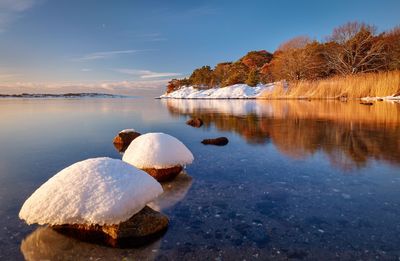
x=63, y=95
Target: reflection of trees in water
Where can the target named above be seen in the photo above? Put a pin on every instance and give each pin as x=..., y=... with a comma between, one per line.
x=350, y=134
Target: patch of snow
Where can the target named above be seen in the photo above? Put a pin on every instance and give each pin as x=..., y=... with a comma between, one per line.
x=94, y=191
x=127, y=131
x=385, y=98
x=237, y=91
x=157, y=150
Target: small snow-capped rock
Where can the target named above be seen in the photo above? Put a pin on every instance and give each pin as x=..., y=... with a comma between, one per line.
x=124, y=138
x=159, y=154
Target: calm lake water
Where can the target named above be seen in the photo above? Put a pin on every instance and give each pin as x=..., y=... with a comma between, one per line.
x=306, y=180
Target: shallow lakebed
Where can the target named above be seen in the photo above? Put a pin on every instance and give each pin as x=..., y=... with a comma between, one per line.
x=298, y=179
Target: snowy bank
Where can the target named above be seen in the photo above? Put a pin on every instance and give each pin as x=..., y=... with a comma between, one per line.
x=385, y=98
x=237, y=91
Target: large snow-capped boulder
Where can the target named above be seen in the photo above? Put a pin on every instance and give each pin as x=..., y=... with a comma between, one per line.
x=101, y=191
x=159, y=154
x=124, y=138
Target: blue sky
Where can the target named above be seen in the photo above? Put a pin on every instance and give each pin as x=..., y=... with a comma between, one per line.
x=123, y=46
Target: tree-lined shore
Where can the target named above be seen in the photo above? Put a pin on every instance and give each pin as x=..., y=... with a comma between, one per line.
x=351, y=50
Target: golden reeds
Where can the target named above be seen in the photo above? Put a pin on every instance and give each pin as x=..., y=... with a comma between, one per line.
x=352, y=87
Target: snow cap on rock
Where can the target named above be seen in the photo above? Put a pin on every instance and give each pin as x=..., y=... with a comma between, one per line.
x=157, y=150
x=94, y=191
x=127, y=131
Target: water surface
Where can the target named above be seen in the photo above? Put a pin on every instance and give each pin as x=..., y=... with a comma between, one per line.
x=298, y=179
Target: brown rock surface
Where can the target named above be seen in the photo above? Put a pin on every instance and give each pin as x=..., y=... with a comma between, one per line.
x=164, y=174
x=123, y=139
x=367, y=103
x=195, y=122
x=221, y=141
x=141, y=228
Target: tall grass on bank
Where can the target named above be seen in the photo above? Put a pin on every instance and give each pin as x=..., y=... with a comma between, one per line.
x=352, y=86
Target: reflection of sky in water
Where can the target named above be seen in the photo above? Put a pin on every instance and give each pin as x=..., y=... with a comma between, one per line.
x=297, y=179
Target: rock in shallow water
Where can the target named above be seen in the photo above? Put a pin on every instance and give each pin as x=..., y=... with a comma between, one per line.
x=141, y=228
x=367, y=103
x=124, y=138
x=195, y=122
x=221, y=141
x=164, y=174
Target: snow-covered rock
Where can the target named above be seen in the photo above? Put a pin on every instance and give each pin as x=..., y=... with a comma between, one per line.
x=127, y=131
x=101, y=191
x=154, y=152
x=157, y=150
x=124, y=138
x=237, y=91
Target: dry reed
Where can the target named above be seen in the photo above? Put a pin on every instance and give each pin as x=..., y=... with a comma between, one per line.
x=380, y=84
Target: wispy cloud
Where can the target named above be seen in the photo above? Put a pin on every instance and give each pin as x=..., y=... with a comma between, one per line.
x=146, y=74
x=11, y=10
x=151, y=37
x=107, y=54
x=86, y=70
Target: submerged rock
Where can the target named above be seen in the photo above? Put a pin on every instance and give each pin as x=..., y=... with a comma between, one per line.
x=221, y=141
x=124, y=138
x=367, y=103
x=159, y=154
x=141, y=228
x=195, y=122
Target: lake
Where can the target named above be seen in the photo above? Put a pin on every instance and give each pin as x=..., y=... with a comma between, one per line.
x=299, y=179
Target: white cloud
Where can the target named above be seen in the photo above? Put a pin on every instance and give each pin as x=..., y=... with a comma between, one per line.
x=146, y=74
x=86, y=70
x=107, y=54
x=11, y=10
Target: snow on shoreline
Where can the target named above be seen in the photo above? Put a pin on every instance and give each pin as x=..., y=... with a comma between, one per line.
x=241, y=91
x=237, y=91
x=385, y=98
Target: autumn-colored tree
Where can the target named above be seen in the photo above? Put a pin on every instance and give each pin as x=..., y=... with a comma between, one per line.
x=294, y=43
x=253, y=78
x=175, y=84
x=392, y=40
x=265, y=74
x=202, y=77
x=256, y=59
x=171, y=86
x=220, y=73
x=355, y=48
x=297, y=59
x=237, y=74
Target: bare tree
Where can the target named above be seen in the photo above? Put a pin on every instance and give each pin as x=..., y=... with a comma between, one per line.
x=295, y=43
x=297, y=59
x=355, y=48
x=392, y=39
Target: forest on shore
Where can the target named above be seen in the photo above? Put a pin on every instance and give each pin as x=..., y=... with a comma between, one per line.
x=352, y=48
